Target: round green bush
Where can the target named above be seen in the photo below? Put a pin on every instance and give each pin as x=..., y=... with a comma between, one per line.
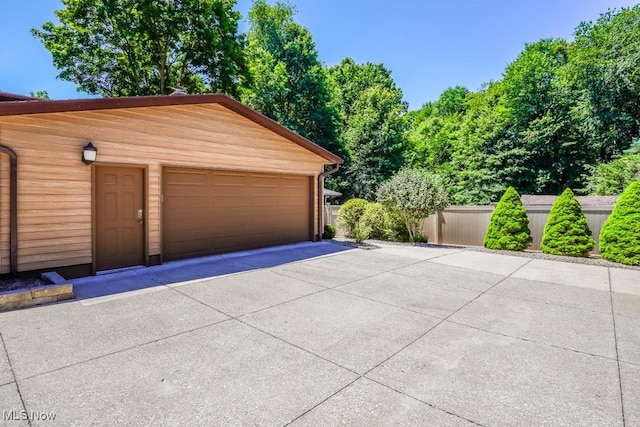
x=509, y=225
x=567, y=231
x=349, y=215
x=361, y=232
x=329, y=232
x=396, y=228
x=375, y=218
x=620, y=233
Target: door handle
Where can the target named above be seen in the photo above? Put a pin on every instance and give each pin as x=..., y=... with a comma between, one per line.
x=140, y=216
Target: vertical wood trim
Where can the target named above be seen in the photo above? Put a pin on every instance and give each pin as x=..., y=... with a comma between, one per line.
x=13, y=211
x=94, y=249
x=312, y=225
x=145, y=216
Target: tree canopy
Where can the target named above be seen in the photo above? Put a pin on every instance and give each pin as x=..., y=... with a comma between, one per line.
x=288, y=80
x=369, y=110
x=561, y=111
x=146, y=47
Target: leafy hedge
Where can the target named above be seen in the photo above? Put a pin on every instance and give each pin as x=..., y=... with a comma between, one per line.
x=509, y=225
x=349, y=215
x=369, y=220
x=620, y=234
x=375, y=219
x=567, y=231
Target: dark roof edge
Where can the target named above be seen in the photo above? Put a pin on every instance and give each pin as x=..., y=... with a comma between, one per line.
x=13, y=108
x=9, y=97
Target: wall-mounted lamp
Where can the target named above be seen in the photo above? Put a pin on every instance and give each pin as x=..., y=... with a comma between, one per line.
x=89, y=153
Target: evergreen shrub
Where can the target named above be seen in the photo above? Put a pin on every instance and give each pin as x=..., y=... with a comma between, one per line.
x=566, y=231
x=620, y=233
x=509, y=225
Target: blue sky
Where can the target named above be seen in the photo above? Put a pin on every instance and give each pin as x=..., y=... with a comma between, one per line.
x=429, y=45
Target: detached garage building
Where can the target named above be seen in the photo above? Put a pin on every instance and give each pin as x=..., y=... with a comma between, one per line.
x=174, y=177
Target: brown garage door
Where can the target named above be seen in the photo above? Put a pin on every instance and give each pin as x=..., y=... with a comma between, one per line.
x=207, y=212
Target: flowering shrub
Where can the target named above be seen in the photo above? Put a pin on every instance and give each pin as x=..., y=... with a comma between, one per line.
x=413, y=194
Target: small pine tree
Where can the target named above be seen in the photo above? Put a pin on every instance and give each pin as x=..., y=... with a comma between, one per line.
x=620, y=233
x=567, y=231
x=509, y=225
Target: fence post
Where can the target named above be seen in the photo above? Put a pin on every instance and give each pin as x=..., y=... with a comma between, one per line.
x=437, y=227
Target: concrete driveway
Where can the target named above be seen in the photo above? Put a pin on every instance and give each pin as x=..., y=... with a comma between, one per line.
x=391, y=336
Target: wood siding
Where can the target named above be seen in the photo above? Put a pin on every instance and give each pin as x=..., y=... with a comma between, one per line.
x=54, y=186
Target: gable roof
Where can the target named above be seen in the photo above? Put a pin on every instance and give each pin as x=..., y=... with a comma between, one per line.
x=545, y=200
x=37, y=106
x=7, y=96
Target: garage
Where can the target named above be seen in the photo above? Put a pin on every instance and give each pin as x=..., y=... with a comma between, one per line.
x=206, y=212
x=126, y=182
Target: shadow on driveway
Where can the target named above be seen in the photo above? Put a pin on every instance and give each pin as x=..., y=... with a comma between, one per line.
x=198, y=268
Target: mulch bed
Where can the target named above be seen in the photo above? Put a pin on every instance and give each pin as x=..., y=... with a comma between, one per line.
x=21, y=283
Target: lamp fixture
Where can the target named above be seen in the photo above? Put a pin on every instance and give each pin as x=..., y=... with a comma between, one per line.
x=89, y=153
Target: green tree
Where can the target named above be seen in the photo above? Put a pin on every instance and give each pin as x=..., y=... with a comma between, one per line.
x=369, y=109
x=373, y=136
x=348, y=80
x=433, y=136
x=620, y=233
x=559, y=109
x=552, y=153
x=509, y=224
x=603, y=71
x=613, y=177
x=41, y=94
x=289, y=83
x=414, y=195
x=146, y=47
x=470, y=163
x=566, y=231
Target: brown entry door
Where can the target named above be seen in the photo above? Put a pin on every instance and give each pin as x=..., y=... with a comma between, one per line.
x=119, y=217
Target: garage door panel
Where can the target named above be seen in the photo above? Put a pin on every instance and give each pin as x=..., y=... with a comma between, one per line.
x=221, y=179
x=295, y=181
x=207, y=212
x=267, y=192
x=190, y=203
x=189, y=233
x=186, y=178
x=265, y=181
x=290, y=201
x=231, y=226
x=228, y=192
